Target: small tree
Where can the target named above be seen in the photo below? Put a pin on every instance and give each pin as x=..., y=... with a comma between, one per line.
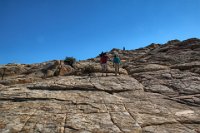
x=70, y=61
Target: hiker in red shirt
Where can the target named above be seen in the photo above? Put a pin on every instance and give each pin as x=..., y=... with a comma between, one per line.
x=103, y=60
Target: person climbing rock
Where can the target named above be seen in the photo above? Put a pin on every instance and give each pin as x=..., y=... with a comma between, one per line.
x=103, y=60
x=116, y=64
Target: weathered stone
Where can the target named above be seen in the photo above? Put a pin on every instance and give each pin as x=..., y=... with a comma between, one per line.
x=49, y=73
x=186, y=66
x=158, y=90
x=91, y=67
x=65, y=70
x=149, y=67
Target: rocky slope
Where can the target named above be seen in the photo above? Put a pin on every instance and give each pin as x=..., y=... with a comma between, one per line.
x=158, y=88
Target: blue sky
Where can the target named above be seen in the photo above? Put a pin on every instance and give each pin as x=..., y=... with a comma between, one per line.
x=33, y=31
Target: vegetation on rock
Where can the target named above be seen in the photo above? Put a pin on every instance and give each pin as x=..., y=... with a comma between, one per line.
x=70, y=61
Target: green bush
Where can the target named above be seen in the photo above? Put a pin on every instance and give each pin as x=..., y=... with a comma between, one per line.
x=70, y=61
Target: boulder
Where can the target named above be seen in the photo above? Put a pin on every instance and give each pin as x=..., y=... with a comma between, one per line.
x=65, y=70
x=49, y=73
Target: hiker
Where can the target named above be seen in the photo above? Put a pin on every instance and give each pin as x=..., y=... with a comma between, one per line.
x=116, y=63
x=103, y=60
x=123, y=48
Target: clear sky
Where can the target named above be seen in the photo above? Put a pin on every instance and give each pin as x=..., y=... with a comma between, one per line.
x=33, y=31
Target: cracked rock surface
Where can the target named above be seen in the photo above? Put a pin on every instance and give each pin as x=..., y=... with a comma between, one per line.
x=158, y=89
x=92, y=104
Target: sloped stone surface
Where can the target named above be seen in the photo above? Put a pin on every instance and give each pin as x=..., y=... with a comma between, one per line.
x=91, y=104
x=159, y=89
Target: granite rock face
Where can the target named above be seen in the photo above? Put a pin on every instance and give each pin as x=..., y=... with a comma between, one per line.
x=157, y=91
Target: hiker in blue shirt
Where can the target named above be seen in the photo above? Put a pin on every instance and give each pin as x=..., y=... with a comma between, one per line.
x=116, y=63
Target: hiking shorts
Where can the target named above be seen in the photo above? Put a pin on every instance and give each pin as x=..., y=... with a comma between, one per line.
x=116, y=65
x=104, y=66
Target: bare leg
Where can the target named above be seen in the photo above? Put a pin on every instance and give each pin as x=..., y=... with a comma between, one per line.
x=115, y=69
x=106, y=68
x=118, y=68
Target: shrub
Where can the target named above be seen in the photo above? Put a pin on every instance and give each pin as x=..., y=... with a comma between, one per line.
x=70, y=61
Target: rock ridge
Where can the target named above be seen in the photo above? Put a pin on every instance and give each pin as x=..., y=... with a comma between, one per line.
x=158, y=89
